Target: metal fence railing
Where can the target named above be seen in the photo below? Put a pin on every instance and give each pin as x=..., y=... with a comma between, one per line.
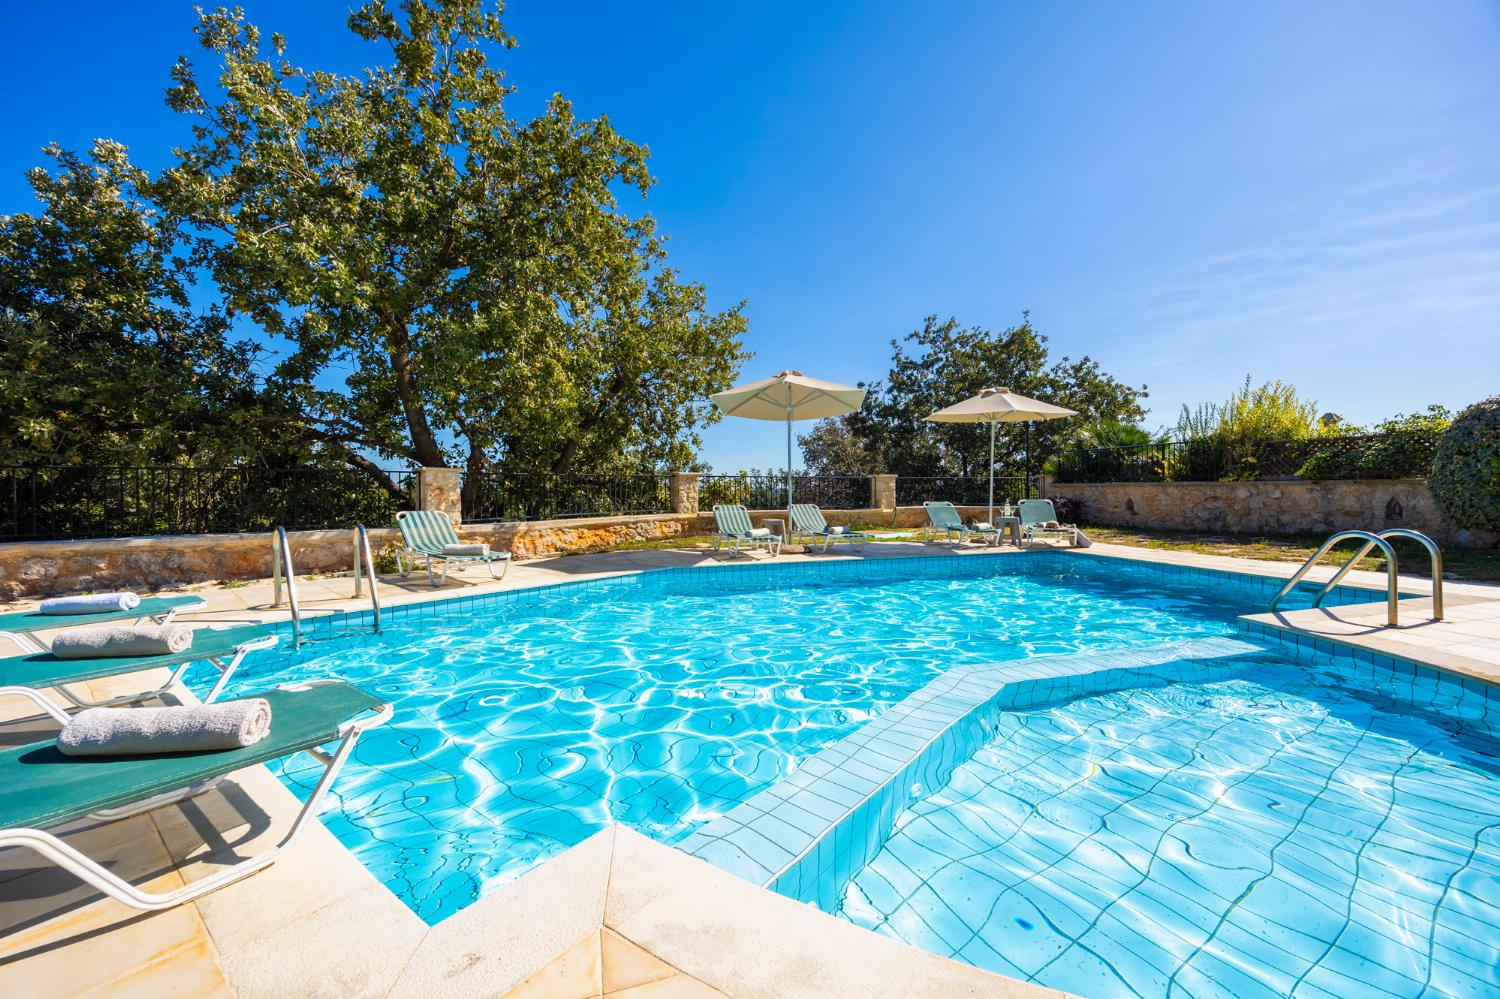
x=914, y=490
x=65, y=502
x=768, y=491
x=504, y=496
x=1396, y=455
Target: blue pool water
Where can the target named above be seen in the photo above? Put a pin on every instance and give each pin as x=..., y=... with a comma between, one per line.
x=1262, y=829
x=525, y=722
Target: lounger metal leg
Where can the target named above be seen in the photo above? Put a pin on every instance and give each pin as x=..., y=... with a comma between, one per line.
x=25, y=642
x=90, y=872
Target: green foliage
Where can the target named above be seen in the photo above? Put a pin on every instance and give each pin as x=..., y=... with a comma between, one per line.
x=1401, y=447
x=475, y=273
x=832, y=448
x=1465, y=476
x=102, y=357
x=1222, y=441
x=942, y=363
x=444, y=283
x=1114, y=433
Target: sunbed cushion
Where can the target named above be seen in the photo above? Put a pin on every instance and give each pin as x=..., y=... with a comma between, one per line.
x=43, y=669
x=44, y=788
x=25, y=621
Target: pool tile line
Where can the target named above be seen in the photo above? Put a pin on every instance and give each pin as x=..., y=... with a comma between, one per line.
x=825, y=820
x=1461, y=691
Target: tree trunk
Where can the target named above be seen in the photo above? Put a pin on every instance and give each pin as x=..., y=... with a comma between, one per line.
x=423, y=440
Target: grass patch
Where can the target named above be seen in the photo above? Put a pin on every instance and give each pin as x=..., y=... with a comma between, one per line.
x=1474, y=565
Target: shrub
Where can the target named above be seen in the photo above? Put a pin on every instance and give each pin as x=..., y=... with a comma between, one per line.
x=1465, y=476
x=1399, y=448
x=1069, y=509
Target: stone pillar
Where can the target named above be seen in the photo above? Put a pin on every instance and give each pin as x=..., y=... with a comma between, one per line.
x=882, y=492
x=441, y=489
x=685, y=492
x=1044, y=486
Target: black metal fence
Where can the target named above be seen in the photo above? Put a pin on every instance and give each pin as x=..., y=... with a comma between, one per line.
x=1397, y=455
x=500, y=495
x=63, y=502
x=768, y=491
x=914, y=490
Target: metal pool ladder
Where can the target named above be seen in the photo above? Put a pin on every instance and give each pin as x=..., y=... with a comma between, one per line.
x=1383, y=542
x=363, y=557
x=281, y=565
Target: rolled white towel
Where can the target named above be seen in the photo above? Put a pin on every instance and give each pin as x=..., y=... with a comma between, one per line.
x=1081, y=540
x=466, y=549
x=90, y=603
x=838, y=530
x=760, y=532
x=136, y=640
x=983, y=525
x=189, y=728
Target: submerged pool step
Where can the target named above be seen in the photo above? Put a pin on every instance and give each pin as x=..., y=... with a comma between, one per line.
x=806, y=835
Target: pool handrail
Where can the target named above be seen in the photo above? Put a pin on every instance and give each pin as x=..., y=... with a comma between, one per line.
x=1435, y=560
x=1393, y=595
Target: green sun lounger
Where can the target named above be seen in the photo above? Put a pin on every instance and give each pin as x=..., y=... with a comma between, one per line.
x=45, y=788
x=943, y=516
x=20, y=625
x=1035, y=514
x=27, y=676
x=732, y=528
x=424, y=534
x=808, y=522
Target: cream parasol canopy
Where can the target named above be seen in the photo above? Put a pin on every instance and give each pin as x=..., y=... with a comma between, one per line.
x=1001, y=405
x=789, y=396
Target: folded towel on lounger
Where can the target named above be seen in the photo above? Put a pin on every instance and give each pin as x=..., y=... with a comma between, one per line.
x=466, y=549
x=137, y=640
x=760, y=532
x=838, y=530
x=189, y=728
x=90, y=603
x=983, y=525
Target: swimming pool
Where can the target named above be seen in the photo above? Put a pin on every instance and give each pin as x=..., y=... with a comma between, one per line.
x=525, y=721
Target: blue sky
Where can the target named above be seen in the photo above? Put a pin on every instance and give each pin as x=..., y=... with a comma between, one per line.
x=1188, y=192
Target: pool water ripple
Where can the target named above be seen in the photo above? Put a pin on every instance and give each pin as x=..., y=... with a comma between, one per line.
x=663, y=701
x=1273, y=832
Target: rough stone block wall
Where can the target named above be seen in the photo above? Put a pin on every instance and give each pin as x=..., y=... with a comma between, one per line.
x=1270, y=507
x=47, y=568
x=583, y=534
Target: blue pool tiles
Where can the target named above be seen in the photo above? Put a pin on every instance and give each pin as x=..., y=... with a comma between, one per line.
x=805, y=835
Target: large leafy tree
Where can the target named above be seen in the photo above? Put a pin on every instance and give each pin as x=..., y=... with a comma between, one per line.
x=942, y=363
x=104, y=359
x=454, y=284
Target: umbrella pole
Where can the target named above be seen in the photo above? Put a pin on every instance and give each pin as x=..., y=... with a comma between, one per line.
x=787, y=530
x=992, y=473
x=1026, y=484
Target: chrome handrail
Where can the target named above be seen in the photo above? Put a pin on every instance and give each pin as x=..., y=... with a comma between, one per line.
x=281, y=552
x=1434, y=554
x=362, y=548
x=1393, y=595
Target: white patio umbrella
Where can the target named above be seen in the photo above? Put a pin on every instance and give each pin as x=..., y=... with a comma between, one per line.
x=1001, y=405
x=789, y=396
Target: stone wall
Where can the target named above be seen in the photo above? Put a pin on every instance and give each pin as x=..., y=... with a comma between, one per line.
x=1270, y=507
x=46, y=568
x=577, y=534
